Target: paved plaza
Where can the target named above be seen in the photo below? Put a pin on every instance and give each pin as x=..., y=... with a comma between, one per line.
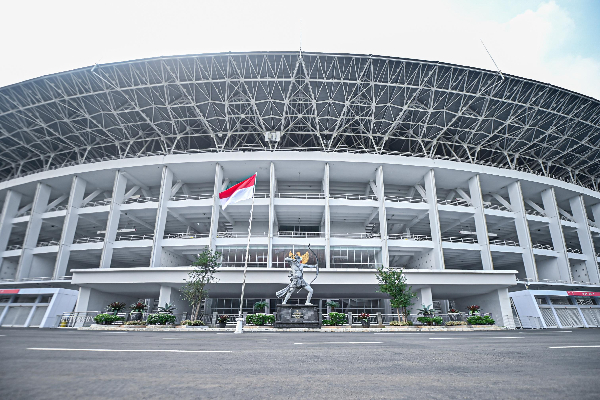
x=70, y=364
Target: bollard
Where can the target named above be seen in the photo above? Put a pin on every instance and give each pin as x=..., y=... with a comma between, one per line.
x=379, y=320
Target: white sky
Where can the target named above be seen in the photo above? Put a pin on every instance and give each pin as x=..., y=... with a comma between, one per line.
x=557, y=42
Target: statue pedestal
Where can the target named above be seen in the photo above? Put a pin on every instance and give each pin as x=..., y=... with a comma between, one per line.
x=297, y=316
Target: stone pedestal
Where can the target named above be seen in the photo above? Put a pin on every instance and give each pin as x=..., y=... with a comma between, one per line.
x=297, y=316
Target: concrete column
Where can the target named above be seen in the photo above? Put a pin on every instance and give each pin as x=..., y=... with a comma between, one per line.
x=434, y=221
x=69, y=226
x=40, y=202
x=385, y=255
x=9, y=211
x=327, y=222
x=214, y=219
x=496, y=302
x=480, y=223
x=161, y=216
x=272, y=188
x=556, y=232
x=114, y=215
x=596, y=213
x=173, y=296
x=585, y=237
x=423, y=298
x=515, y=195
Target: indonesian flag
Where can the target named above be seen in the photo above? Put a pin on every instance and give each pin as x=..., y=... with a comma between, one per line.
x=242, y=191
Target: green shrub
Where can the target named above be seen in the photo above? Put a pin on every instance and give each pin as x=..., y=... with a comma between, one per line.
x=106, y=319
x=260, y=319
x=161, y=319
x=336, y=318
x=430, y=320
x=196, y=322
x=135, y=323
x=455, y=323
x=401, y=323
x=479, y=320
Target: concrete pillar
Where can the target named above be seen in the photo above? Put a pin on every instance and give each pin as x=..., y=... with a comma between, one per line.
x=515, y=195
x=40, y=202
x=423, y=298
x=272, y=189
x=480, y=223
x=434, y=221
x=327, y=215
x=585, y=237
x=496, y=302
x=556, y=232
x=596, y=213
x=9, y=211
x=69, y=226
x=114, y=215
x=173, y=296
x=161, y=216
x=214, y=219
x=385, y=255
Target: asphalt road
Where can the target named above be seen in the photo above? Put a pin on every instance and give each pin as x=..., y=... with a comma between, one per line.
x=455, y=365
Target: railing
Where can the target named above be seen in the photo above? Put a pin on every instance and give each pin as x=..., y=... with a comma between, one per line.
x=455, y=202
x=534, y=212
x=300, y=234
x=356, y=265
x=351, y=196
x=240, y=234
x=491, y=206
x=141, y=200
x=387, y=318
x=135, y=237
x=403, y=199
x=96, y=239
x=305, y=196
x=186, y=235
x=192, y=197
x=48, y=243
x=71, y=320
x=356, y=235
x=98, y=203
x=15, y=247
x=572, y=250
x=459, y=240
x=501, y=242
x=542, y=246
x=408, y=236
x=57, y=208
x=36, y=278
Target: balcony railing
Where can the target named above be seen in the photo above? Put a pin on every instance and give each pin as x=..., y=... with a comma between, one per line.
x=305, y=196
x=408, y=236
x=191, y=197
x=455, y=202
x=48, y=243
x=459, y=240
x=356, y=235
x=491, y=206
x=404, y=199
x=291, y=234
x=534, y=212
x=542, y=246
x=501, y=242
x=240, y=234
x=573, y=250
x=140, y=200
x=97, y=239
x=186, y=235
x=352, y=196
x=135, y=237
x=98, y=203
x=15, y=247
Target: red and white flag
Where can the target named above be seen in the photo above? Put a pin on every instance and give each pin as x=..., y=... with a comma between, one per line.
x=241, y=191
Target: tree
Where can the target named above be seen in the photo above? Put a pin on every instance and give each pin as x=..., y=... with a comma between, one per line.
x=194, y=290
x=393, y=282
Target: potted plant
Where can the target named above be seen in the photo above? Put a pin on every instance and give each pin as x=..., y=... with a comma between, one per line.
x=115, y=307
x=453, y=314
x=473, y=310
x=260, y=307
x=192, y=323
x=167, y=309
x=161, y=319
x=364, y=320
x=136, y=310
x=335, y=319
x=222, y=321
x=332, y=305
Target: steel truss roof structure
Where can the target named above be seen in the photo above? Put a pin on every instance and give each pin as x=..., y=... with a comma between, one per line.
x=318, y=102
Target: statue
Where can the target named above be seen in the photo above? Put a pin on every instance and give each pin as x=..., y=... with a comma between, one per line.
x=297, y=282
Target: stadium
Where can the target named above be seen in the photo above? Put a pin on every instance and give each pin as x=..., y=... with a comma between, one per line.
x=482, y=187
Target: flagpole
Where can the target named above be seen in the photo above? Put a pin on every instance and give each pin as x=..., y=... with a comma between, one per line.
x=240, y=320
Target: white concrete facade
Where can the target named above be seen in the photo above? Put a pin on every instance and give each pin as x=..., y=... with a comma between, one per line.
x=129, y=228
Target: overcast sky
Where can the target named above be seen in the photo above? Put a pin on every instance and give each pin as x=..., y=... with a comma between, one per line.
x=557, y=42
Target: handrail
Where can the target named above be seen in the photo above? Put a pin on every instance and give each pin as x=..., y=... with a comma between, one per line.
x=186, y=235
x=542, y=246
x=96, y=239
x=459, y=240
x=455, y=202
x=534, y=212
x=572, y=250
x=405, y=199
x=301, y=195
x=408, y=236
x=300, y=234
x=140, y=200
x=191, y=197
x=48, y=243
x=499, y=207
x=97, y=203
x=135, y=237
x=240, y=234
x=352, y=196
x=501, y=242
x=15, y=247
x=356, y=235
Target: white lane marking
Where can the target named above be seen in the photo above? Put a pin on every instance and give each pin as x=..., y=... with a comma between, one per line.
x=173, y=338
x=571, y=347
x=127, y=350
x=507, y=337
x=402, y=333
x=446, y=338
x=341, y=343
x=564, y=331
x=2, y=335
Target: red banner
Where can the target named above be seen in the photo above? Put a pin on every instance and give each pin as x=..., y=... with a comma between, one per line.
x=583, y=293
x=9, y=291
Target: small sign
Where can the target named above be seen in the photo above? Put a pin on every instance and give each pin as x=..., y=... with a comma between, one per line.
x=9, y=291
x=298, y=314
x=583, y=293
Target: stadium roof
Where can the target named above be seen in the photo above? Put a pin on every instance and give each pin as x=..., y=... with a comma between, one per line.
x=318, y=102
